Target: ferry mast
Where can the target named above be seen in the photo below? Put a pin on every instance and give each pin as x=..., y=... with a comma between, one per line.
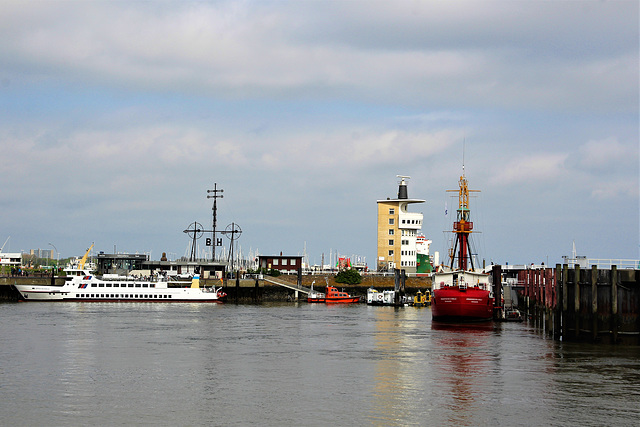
x=462, y=228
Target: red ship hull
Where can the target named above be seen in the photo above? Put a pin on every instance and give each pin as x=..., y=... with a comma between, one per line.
x=451, y=304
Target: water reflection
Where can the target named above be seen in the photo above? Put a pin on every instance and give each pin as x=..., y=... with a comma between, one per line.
x=463, y=369
x=397, y=375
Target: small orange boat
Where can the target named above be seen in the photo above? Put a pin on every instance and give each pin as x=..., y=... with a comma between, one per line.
x=333, y=295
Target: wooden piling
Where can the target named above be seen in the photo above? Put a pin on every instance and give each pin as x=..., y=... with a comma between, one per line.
x=557, y=323
x=576, y=300
x=594, y=302
x=614, y=303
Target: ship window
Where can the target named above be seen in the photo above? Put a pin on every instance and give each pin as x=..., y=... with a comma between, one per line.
x=101, y=285
x=108, y=285
x=170, y=296
x=145, y=285
x=131, y=285
x=93, y=285
x=152, y=285
x=137, y=285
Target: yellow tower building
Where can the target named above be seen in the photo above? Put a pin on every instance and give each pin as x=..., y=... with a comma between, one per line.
x=397, y=231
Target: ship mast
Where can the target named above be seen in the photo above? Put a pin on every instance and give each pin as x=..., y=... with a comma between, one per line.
x=463, y=227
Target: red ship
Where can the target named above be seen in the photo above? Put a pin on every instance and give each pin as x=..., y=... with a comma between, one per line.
x=460, y=293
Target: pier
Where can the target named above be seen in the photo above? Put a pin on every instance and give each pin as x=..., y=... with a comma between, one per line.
x=572, y=303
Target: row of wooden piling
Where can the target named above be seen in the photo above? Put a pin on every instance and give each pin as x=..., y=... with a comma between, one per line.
x=575, y=304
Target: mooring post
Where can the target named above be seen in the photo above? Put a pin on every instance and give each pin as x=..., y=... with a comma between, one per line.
x=498, y=307
x=255, y=291
x=237, y=286
x=594, y=301
x=576, y=299
x=557, y=324
x=565, y=300
x=614, y=303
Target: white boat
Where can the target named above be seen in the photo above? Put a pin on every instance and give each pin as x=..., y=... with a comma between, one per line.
x=375, y=297
x=81, y=285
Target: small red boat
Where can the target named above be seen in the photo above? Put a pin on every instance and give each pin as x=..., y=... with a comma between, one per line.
x=332, y=296
x=336, y=296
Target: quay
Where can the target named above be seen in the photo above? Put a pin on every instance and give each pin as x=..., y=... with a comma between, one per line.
x=264, y=289
x=569, y=303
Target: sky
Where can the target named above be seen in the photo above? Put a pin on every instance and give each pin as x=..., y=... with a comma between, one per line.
x=117, y=117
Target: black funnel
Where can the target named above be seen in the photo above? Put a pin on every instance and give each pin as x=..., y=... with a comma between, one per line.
x=402, y=190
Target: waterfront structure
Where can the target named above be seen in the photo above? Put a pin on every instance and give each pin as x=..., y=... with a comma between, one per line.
x=397, y=231
x=284, y=263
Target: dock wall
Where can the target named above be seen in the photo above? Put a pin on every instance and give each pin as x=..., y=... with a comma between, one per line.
x=574, y=304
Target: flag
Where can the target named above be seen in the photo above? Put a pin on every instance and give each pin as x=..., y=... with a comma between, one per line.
x=446, y=211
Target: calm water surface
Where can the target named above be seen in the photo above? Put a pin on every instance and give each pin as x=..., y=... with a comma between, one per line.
x=208, y=364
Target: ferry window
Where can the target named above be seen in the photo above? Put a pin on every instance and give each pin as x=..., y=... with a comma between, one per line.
x=152, y=285
x=145, y=285
x=116, y=285
x=101, y=285
x=137, y=285
x=131, y=285
x=93, y=285
x=170, y=296
x=108, y=285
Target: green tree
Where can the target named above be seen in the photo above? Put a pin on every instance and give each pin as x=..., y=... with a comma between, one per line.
x=350, y=277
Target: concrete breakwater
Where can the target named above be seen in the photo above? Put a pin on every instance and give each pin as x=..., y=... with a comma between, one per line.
x=247, y=292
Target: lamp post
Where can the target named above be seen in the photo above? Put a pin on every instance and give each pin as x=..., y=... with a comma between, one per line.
x=57, y=253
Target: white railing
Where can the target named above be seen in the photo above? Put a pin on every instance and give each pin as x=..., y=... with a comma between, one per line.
x=619, y=263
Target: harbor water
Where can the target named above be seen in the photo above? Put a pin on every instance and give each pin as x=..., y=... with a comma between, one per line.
x=298, y=364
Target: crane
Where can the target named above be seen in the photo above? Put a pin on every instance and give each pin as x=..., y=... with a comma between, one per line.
x=5, y=242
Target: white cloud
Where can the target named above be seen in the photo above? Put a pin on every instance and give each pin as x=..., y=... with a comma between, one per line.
x=531, y=168
x=251, y=49
x=608, y=153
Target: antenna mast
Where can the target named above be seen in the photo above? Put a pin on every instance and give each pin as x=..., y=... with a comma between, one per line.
x=215, y=196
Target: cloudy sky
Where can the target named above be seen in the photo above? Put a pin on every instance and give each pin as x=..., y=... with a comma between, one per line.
x=117, y=117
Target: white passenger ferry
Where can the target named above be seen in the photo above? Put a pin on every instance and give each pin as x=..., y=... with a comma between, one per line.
x=81, y=285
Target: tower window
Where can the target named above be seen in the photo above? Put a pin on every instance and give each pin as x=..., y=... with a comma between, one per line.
x=392, y=211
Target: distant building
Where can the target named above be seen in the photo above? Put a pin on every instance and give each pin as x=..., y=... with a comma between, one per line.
x=397, y=231
x=284, y=263
x=42, y=253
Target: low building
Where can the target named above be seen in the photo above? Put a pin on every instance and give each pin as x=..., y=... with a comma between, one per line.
x=120, y=264
x=10, y=258
x=288, y=264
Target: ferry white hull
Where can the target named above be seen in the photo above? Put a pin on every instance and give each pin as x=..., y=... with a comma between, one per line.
x=89, y=288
